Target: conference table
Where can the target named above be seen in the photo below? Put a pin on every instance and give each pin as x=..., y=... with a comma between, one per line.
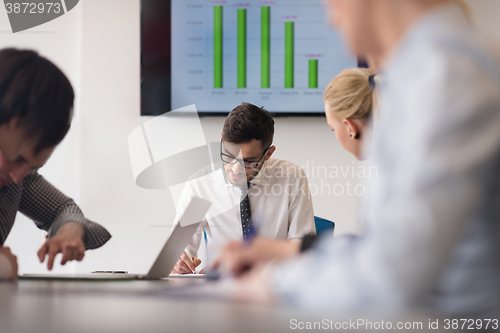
x=69, y=306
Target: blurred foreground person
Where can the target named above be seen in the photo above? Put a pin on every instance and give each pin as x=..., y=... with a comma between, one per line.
x=36, y=102
x=432, y=235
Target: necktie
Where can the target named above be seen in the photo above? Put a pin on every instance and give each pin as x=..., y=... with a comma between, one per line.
x=246, y=215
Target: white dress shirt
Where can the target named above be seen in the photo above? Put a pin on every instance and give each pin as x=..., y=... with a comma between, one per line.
x=433, y=216
x=280, y=203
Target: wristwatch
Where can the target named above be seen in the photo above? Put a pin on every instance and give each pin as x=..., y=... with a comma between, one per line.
x=307, y=242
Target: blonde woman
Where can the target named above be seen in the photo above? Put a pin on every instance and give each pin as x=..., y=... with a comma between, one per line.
x=349, y=101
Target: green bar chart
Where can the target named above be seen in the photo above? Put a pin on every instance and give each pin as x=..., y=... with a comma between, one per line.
x=289, y=54
x=265, y=47
x=218, y=47
x=313, y=73
x=242, y=48
x=271, y=53
x=289, y=57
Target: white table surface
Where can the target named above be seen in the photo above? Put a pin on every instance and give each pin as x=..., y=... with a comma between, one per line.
x=140, y=306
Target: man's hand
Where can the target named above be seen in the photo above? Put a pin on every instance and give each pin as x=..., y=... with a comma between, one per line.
x=237, y=257
x=68, y=241
x=253, y=286
x=5, y=251
x=185, y=266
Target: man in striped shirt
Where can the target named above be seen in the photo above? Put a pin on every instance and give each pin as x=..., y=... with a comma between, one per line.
x=36, y=102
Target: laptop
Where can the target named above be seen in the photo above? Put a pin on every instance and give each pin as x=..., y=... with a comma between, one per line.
x=166, y=259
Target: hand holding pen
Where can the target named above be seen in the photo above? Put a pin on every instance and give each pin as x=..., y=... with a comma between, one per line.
x=237, y=258
x=186, y=264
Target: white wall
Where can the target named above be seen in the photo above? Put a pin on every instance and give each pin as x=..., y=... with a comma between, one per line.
x=97, y=45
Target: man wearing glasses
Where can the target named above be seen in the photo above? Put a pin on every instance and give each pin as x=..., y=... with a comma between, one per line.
x=251, y=193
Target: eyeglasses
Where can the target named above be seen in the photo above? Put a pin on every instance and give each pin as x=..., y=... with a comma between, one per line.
x=246, y=164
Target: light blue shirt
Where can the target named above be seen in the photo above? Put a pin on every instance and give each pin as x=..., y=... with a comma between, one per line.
x=433, y=217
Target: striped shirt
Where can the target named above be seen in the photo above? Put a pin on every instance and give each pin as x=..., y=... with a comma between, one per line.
x=36, y=198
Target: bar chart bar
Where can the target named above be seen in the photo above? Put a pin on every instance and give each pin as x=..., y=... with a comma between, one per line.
x=289, y=54
x=242, y=48
x=313, y=73
x=218, y=65
x=266, y=47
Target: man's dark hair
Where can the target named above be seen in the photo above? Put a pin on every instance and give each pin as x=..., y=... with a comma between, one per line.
x=35, y=90
x=247, y=122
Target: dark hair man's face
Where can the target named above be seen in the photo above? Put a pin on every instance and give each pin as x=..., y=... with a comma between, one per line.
x=17, y=154
x=250, y=151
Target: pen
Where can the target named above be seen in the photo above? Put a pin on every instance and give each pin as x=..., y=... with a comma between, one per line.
x=190, y=257
x=110, y=272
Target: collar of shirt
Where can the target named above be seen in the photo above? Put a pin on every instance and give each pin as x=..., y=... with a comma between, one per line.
x=259, y=179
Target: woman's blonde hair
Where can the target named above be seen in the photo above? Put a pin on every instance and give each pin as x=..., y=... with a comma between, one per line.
x=350, y=94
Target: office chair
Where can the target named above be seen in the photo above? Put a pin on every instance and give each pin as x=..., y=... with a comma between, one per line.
x=323, y=226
